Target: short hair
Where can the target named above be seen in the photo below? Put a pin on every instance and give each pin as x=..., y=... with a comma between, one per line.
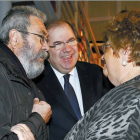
x=54, y=23
x=18, y=18
x=123, y=30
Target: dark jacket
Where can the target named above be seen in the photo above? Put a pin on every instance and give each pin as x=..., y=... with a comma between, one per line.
x=17, y=93
x=93, y=86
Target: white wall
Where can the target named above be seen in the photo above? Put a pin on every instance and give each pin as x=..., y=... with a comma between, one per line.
x=4, y=7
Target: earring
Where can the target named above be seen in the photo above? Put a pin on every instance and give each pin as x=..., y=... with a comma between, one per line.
x=124, y=63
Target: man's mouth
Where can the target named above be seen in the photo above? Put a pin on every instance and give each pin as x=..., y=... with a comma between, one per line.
x=67, y=56
x=41, y=59
x=43, y=56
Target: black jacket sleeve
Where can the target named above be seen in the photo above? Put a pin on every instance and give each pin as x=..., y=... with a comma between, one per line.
x=8, y=110
x=37, y=126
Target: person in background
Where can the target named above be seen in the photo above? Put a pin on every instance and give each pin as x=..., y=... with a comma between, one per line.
x=69, y=86
x=23, y=49
x=116, y=116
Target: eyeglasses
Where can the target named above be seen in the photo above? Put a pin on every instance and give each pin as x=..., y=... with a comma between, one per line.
x=43, y=39
x=105, y=47
x=59, y=45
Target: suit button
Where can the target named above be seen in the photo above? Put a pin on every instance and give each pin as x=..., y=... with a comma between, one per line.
x=29, y=93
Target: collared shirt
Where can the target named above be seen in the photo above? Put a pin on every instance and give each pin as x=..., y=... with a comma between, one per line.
x=74, y=81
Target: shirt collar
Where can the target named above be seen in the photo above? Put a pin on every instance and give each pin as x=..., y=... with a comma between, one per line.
x=60, y=75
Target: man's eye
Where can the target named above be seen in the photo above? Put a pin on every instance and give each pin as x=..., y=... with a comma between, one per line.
x=71, y=40
x=58, y=43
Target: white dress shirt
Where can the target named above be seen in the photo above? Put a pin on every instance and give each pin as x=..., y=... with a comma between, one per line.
x=74, y=81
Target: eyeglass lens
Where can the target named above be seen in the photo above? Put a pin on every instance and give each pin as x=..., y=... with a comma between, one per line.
x=62, y=44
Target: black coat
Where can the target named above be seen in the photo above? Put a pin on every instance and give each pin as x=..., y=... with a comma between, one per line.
x=93, y=86
x=17, y=93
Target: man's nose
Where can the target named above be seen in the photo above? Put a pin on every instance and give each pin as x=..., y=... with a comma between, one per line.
x=67, y=46
x=46, y=46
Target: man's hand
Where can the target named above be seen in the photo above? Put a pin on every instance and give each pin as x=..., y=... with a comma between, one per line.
x=23, y=132
x=43, y=108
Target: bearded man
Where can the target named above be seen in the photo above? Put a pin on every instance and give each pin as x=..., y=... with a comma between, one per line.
x=23, y=48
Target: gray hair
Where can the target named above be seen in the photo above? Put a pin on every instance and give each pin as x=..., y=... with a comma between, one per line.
x=18, y=18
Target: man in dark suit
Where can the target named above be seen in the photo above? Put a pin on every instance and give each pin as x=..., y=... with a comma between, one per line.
x=86, y=79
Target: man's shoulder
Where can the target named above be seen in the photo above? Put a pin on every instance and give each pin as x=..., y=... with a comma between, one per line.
x=86, y=65
x=2, y=67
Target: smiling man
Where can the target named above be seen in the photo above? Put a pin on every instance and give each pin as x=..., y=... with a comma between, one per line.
x=70, y=87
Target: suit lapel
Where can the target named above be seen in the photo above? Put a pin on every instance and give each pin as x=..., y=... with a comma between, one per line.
x=57, y=91
x=85, y=84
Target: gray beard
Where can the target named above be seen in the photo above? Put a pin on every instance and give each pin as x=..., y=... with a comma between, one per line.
x=32, y=68
x=30, y=60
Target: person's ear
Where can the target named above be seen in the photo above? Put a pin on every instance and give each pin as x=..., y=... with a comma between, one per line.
x=13, y=38
x=124, y=53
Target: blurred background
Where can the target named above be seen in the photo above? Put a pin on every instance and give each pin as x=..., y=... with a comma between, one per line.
x=89, y=19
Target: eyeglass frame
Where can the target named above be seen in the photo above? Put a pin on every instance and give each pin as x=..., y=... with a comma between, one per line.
x=67, y=42
x=105, y=47
x=44, y=38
